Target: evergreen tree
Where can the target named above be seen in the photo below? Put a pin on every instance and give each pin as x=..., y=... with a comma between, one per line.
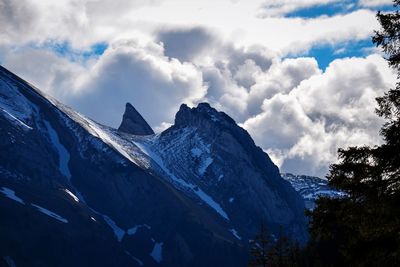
x=259, y=248
x=363, y=228
x=280, y=252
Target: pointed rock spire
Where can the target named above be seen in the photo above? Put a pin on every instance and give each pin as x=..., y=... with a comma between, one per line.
x=133, y=122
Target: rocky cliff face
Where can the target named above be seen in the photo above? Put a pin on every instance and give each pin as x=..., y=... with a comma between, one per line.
x=206, y=148
x=77, y=193
x=133, y=122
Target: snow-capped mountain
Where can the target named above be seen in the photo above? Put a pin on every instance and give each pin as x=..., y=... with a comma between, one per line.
x=310, y=188
x=77, y=193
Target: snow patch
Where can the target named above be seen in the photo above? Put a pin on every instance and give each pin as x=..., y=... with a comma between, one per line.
x=50, y=213
x=71, y=195
x=80, y=196
x=196, y=152
x=133, y=230
x=63, y=153
x=14, y=105
x=119, y=233
x=204, y=165
x=11, y=194
x=14, y=118
x=213, y=118
x=211, y=202
x=134, y=258
x=156, y=254
x=235, y=234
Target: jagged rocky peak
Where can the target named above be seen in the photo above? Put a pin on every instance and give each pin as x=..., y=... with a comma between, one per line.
x=208, y=120
x=133, y=122
x=196, y=116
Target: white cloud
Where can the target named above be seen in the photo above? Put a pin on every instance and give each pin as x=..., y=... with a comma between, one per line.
x=83, y=23
x=282, y=77
x=133, y=71
x=375, y=3
x=53, y=74
x=304, y=127
x=138, y=73
x=16, y=18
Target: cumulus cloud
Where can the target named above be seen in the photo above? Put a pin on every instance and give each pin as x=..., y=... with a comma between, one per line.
x=84, y=23
x=186, y=44
x=375, y=3
x=303, y=128
x=143, y=75
x=229, y=74
x=129, y=71
x=281, y=78
x=53, y=74
x=16, y=18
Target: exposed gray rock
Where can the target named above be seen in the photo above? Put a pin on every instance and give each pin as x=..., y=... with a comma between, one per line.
x=133, y=122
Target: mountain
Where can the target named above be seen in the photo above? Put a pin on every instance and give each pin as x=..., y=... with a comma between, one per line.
x=310, y=188
x=74, y=192
x=133, y=122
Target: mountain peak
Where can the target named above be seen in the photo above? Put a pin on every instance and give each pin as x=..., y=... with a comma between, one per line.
x=200, y=114
x=133, y=122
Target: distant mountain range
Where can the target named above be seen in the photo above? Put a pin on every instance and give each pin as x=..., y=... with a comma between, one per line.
x=74, y=192
x=310, y=188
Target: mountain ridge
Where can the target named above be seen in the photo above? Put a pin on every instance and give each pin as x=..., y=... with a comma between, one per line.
x=191, y=195
x=311, y=188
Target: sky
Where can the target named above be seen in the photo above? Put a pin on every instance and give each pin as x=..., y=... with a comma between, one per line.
x=300, y=75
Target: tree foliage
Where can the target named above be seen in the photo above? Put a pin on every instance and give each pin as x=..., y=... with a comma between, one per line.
x=363, y=228
x=281, y=252
x=259, y=248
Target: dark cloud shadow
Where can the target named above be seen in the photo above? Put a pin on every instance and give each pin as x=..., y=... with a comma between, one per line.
x=185, y=44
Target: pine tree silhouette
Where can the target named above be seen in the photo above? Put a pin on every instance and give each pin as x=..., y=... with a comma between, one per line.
x=363, y=228
x=259, y=248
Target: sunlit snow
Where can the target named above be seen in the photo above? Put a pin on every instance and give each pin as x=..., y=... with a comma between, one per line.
x=71, y=195
x=16, y=119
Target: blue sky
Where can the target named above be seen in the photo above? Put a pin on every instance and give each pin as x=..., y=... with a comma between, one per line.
x=65, y=49
x=335, y=8
x=326, y=53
